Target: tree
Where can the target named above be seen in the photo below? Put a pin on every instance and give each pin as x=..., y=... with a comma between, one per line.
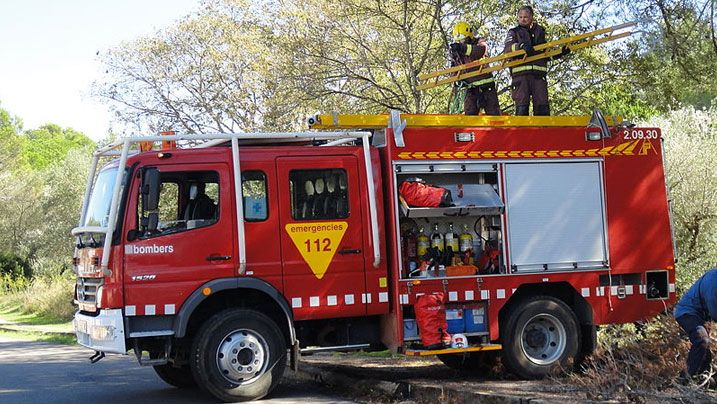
x=10, y=142
x=205, y=74
x=50, y=143
x=690, y=143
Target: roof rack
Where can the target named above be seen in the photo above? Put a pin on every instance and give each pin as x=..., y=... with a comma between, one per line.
x=208, y=140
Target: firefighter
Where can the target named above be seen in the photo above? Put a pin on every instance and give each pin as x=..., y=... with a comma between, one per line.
x=475, y=92
x=698, y=305
x=529, y=80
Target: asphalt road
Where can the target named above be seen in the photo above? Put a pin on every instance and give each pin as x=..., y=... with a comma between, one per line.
x=36, y=372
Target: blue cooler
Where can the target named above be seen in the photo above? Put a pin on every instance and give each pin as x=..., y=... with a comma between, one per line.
x=410, y=328
x=454, y=318
x=475, y=318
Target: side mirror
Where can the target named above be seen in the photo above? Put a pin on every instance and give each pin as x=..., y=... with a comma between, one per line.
x=152, y=221
x=150, y=189
x=597, y=127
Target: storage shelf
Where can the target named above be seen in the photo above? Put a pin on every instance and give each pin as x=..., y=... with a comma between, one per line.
x=478, y=200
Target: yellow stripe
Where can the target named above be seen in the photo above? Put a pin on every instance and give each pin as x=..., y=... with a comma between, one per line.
x=469, y=49
x=619, y=150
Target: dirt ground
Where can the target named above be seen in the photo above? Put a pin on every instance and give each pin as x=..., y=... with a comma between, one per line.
x=428, y=373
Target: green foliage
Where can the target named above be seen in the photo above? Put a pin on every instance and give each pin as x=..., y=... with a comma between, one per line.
x=14, y=266
x=690, y=142
x=10, y=142
x=50, y=144
x=49, y=297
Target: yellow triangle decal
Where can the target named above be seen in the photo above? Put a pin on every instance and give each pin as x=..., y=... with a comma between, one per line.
x=317, y=242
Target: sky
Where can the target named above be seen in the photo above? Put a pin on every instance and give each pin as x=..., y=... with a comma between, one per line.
x=48, y=54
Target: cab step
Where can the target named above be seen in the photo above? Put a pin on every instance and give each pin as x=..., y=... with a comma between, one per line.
x=431, y=352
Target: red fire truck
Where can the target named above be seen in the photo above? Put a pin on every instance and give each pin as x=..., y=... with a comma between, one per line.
x=220, y=261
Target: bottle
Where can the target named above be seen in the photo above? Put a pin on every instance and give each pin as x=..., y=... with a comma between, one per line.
x=465, y=239
x=422, y=243
x=451, y=239
x=437, y=238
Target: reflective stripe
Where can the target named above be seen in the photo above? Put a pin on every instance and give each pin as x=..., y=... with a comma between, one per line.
x=481, y=82
x=529, y=67
x=469, y=49
x=514, y=47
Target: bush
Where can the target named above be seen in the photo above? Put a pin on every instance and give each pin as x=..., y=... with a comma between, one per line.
x=47, y=296
x=10, y=284
x=14, y=265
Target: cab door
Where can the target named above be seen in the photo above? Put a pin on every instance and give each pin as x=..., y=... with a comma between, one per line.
x=189, y=247
x=322, y=236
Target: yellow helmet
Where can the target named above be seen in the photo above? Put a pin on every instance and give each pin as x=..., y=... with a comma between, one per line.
x=461, y=31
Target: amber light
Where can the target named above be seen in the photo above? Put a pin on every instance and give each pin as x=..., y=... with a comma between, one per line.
x=168, y=144
x=207, y=291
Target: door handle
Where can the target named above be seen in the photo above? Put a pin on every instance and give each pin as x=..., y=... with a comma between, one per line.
x=350, y=251
x=219, y=258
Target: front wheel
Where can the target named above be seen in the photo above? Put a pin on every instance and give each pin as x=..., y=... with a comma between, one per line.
x=176, y=376
x=540, y=334
x=238, y=355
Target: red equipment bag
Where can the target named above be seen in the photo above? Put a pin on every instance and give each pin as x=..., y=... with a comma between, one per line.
x=416, y=193
x=431, y=319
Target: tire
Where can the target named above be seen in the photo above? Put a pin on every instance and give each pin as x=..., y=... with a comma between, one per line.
x=238, y=355
x=475, y=363
x=178, y=377
x=541, y=334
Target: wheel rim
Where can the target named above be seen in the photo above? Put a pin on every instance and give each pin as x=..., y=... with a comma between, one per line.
x=543, y=339
x=242, y=356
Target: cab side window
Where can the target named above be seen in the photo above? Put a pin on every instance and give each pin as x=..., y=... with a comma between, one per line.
x=319, y=194
x=187, y=200
x=253, y=189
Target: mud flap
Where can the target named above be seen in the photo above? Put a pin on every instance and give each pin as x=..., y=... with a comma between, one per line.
x=294, y=356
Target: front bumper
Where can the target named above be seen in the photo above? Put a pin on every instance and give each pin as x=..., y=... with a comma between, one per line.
x=104, y=332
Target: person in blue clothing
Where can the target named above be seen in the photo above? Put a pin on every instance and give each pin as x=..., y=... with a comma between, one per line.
x=698, y=305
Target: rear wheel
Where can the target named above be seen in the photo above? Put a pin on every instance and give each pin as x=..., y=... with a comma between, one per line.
x=540, y=334
x=238, y=355
x=479, y=363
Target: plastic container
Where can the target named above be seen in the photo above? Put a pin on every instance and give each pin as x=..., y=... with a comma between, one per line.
x=454, y=318
x=410, y=328
x=475, y=318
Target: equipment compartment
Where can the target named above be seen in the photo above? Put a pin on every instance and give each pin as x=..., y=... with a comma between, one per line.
x=462, y=240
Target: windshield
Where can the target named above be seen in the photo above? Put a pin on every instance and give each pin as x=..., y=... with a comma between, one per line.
x=98, y=210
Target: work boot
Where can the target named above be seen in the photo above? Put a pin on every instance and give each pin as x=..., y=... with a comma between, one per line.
x=522, y=110
x=541, y=110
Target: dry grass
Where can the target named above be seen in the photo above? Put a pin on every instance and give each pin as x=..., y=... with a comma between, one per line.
x=640, y=364
x=49, y=297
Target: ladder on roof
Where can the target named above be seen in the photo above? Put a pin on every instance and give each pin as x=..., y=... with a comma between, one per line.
x=503, y=61
x=333, y=138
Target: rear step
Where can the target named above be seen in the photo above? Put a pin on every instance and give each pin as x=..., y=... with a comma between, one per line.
x=426, y=352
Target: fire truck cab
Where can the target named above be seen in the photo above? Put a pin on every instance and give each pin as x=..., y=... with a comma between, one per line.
x=220, y=261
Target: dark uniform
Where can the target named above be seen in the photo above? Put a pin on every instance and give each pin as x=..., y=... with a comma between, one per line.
x=698, y=305
x=480, y=90
x=529, y=79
